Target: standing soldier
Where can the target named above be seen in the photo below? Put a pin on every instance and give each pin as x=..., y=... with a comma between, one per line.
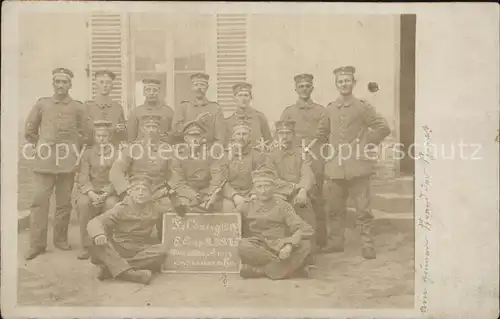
x=194, y=177
x=260, y=127
x=295, y=178
x=146, y=156
x=353, y=129
x=202, y=110
x=152, y=105
x=306, y=115
x=97, y=193
x=58, y=125
x=103, y=108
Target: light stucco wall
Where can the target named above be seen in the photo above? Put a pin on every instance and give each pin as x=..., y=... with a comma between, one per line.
x=281, y=46
x=48, y=41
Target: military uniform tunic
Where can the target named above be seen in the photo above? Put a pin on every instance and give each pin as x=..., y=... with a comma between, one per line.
x=128, y=230
x=257, y=120
x=104, y=108
x=272, y=225
x=188, y=111
x=134, y=120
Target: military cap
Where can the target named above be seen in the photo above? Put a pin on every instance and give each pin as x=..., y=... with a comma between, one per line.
x=264, y=173
x=62, y=72
x=151, y=81
x=304, y=77
x=345, y=70
x=200, y=77
x=151, y=119
x=285, y=126
x=242, y=87
x=242, y=124
x=103, y=125
x=193, y=128
x=105, y=72
x=140, y=179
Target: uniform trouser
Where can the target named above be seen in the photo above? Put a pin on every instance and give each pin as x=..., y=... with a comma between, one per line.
x=308, y=215
x=44, y=187
x=113, y=257
x=254, y=252
x=339, y=190
x=86, y=211
x=318, y=206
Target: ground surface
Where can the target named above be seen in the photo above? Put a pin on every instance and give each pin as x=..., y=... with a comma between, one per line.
x=344, y=280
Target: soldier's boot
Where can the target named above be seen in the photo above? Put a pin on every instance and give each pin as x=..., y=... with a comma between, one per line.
x=34, y=252
x=84, y=254
x=248, y=271
x=62, y=245
x=369, y=253
x=104, y=273
x=140, y=276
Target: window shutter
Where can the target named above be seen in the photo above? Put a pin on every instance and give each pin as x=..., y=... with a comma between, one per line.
x=231, y=57
x=107, y=51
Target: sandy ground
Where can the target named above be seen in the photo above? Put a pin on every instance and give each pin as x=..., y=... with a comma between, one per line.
x=343, y=280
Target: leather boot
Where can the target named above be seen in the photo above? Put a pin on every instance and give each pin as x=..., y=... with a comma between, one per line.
x=34, y=252
x=103, y=273
x=62, y=245
x=141, y=276
x=84, y=254
x=369, y=253
x=248, y=271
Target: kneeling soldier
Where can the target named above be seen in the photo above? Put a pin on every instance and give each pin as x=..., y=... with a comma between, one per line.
x=121, y=236
x=277, y=245
x=97, y=192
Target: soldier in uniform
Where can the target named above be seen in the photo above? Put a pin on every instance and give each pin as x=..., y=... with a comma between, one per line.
x=97, y=193
x=103, y=108
x=147, y=156
x=58, y=126
x=194, y=177
x=152, y=105
x=237, y=165
x=306, y=115
x=277, y=245
x=295, y=179
x=260, y=127
x=202, y=110
x=353, y=129
x=120, y=237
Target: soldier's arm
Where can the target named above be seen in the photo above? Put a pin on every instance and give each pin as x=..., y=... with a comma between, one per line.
x=118, y=172
x=104, y=223
x=378, y=124
x=222, y=169
x=84, y=173
x=266, y=131
x=285, y=115
x=178, y=181
x=219, y=127
x=281, y=186
x=179, y=118
x=32, y=125
x=216, y=177
x=299, y=229
x=84, y=124
x=323, y=129
x=121, y=134
x=132, y=126
x=307, y=178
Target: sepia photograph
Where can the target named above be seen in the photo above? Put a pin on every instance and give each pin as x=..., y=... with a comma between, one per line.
x=177, y=158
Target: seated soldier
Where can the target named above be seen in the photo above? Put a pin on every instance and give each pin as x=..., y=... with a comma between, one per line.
x=121, y=237
x=278, y=240
x=97, y=192
x=295, y=178
x=194, y=179
x=237, y=165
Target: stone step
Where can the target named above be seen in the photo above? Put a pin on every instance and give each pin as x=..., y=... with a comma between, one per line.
x=393, y=202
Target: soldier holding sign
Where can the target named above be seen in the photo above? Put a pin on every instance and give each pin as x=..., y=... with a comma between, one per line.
x=277, y=245
x=120, y=237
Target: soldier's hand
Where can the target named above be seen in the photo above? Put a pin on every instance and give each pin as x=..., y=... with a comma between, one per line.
x=285, y=252
x=239, y=200
x=301, y=197
x=101, y=240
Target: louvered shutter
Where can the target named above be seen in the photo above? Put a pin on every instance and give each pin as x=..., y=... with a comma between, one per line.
x=107, y=51
x=231, y=57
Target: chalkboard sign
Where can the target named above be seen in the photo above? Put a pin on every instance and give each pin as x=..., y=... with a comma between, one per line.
x=202, y=243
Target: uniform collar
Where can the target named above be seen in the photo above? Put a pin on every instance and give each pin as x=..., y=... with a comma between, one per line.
x=103, y=101
x=66, y=100
x=201, y=102
x=243, y=113
x=344, y=101
x=305, y=104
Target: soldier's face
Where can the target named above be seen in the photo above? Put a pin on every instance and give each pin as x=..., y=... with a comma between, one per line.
x=304, y=89
x=345, y=83
x=102, y=137
x=241, y=137
x=285, y=137
x=104, y=84
x=263, y=189
x=200, y=88
x=61, y=85
x=140, y=194
x=151, y=130
x=243, y=99
x=151, y=92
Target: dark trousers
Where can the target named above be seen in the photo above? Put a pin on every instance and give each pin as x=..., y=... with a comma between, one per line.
x=254, y=252
x=338, y=191
x=44, y=187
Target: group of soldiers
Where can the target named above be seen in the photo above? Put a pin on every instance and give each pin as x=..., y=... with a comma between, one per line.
x=279, y=192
